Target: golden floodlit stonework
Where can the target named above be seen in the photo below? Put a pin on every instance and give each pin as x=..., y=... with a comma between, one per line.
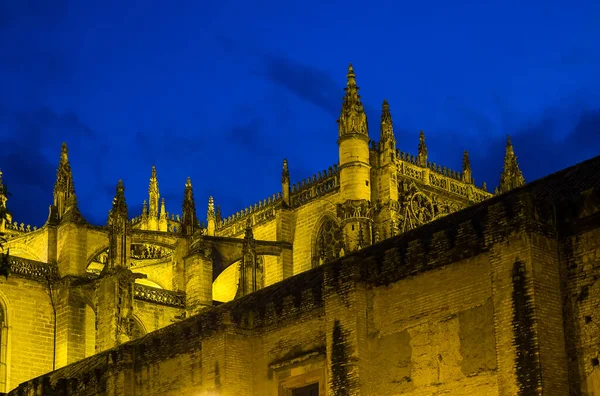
x=384, y=274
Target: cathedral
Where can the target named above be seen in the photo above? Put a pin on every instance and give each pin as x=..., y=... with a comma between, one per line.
x=384, y=274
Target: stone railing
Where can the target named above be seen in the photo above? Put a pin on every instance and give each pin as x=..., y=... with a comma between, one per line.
x=318, y=185
x=442, y=178
x=262, y=211
x=159, y=296
x=13, y=229
x=32, y=269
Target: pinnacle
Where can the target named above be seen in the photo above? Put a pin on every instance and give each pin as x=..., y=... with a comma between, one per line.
x=351, y=76
x=153, y=172
x=188, y=182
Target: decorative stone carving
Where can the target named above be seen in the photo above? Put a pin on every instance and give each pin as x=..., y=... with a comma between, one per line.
x=358, y=209
x=159, y=296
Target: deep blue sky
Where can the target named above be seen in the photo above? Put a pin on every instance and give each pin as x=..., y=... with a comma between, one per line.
x=223, y=90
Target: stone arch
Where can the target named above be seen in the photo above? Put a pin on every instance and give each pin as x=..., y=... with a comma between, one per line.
x=95, y=254
x=5, y=342
x=326, y=241
x=138, y=329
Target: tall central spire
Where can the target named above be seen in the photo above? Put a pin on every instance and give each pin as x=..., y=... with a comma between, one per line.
x=353, y=118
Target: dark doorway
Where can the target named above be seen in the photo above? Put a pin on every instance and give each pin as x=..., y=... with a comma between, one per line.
x=309, y=390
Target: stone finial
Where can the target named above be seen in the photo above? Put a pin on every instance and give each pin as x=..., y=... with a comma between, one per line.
x=119, y=205
x=64, y=188
x=210, y=215
x=189, y=221
x=422, y=156
x=285, y=173
x=467, y=173
x=511, y=176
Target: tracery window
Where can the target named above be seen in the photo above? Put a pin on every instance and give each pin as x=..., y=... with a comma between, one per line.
x=328, y=242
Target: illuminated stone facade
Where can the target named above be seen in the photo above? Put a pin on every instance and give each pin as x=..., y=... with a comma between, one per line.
x=391, y=291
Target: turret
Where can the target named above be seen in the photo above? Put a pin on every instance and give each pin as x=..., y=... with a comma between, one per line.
x=355, y=168
x=211, y=218
x=285, y=183
x=189, y=221
x=118, y=229
x=467, y=173
x=153, y=201
x=511, y=176
x=385, y=186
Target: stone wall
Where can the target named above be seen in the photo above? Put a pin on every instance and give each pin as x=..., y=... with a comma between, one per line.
x=29, y=332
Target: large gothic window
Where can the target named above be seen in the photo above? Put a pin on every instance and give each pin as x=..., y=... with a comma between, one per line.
x=328, y=242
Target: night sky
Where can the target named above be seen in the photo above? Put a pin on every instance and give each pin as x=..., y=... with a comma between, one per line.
x=222, y=91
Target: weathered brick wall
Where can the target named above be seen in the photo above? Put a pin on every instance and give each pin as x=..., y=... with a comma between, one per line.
x=581, y=254
x=159, y=272
x=30, y=321
x=154, y=316
x=434, y=332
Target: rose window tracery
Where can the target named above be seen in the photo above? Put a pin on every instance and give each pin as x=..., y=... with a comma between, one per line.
x=328, y=242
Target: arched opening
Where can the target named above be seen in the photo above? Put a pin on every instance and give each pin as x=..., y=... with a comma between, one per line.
x=225, y=287
x=328, y=242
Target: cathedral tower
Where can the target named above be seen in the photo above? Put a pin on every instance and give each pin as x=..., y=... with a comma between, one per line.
x=355, y=169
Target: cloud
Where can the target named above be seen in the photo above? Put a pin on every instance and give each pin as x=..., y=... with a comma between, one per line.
x=30, y=144
x=555, y=140
x=302, y=80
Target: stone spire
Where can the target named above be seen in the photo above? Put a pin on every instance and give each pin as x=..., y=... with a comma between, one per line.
x=285, y=183
x=210, y=217
x=118, y=211
x=386, y=132
x=153, y=201
x=118, y=230
x=189, y=221
x=353, y=119
x=467, y=173
x=422, y=155
x=511, y=176
x=64, y=189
